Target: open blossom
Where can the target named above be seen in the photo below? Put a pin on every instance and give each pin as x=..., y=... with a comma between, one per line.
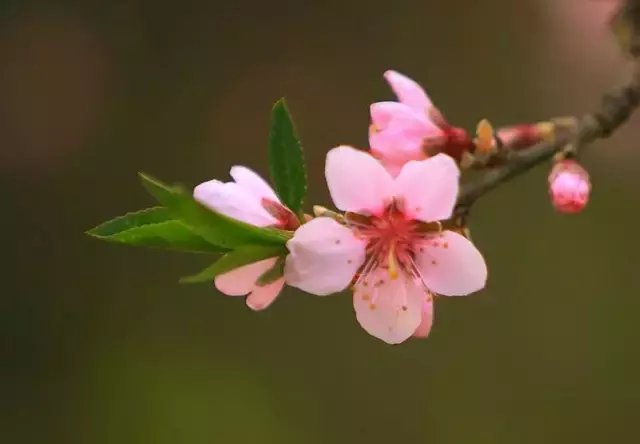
x=402, y=131
x=391, y=246
x=569, y=186
x=249, y=199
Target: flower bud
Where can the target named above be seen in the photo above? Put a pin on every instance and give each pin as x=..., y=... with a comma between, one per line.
x=569, y=186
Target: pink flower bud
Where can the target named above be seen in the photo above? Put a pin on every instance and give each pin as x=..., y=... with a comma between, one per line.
x=569, y=186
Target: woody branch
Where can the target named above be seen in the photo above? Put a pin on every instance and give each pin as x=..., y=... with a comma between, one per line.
x=615, y=109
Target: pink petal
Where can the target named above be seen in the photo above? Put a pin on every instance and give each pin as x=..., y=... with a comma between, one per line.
x=324, y=257
x=386, y=114
x=429, y=188
x=398, y=133
x=388, y=309
x=233, y=200
x=451, y=265
x=392, y=166
x=383, y=113
x=242, y=280
x=426, y=323
x=262, y=296
x=357, y=181
x=396, y=145
x=252, y=182
x=408, y=91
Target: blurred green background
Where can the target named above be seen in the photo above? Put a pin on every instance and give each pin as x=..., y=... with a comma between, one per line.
x=100, y=344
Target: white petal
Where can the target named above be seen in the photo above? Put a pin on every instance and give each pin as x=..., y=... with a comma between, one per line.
x=234, y=201
x=451, y=265
x=429, y=188
x=389, y=309
x=357, y=181
x=324, y=257
x=253, y=183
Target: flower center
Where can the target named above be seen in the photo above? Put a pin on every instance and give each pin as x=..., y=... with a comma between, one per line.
x=392, y=240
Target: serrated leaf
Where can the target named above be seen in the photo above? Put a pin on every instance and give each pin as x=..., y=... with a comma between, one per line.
x=273, y=273
x=286, y=159
x=154, y=228
x=212, y=226
x=235, y=259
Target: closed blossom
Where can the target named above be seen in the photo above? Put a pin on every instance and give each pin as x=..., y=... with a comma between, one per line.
x=250, y=199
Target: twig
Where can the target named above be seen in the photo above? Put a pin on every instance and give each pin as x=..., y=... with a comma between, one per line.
x=616, y=108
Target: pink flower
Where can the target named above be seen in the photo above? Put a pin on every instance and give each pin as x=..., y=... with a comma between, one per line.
x=412, y=129
x=398, y=129
x=249, y=199
x=391, y=243
x=569, y=186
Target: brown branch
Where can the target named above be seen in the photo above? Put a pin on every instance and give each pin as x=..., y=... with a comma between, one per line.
x=616, y=108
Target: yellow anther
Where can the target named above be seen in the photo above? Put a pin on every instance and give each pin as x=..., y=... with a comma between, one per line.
x=393, y=266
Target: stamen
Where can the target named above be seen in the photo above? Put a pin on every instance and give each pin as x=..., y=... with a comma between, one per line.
x=371, y=264
x=393, y=265
x=413, y=268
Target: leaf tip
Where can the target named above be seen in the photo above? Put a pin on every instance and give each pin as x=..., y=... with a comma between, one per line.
x=95, y=231
x=279, y=104
x=146, y=177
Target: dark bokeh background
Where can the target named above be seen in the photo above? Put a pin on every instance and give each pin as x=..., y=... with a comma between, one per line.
x=99, y=343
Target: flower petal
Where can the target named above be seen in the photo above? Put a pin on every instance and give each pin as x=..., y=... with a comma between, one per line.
x=383, y=113
x=386, y=114
x=429, y=188
x=324, y=257
x=392, y=166
x=252, y=182
x=396, y=145
x=451, y=265
x=262, y=296
x=242, y=280
x=426, y=323
x=408, y=91
x=389, y=309
x=233, y=200
x=357, y=181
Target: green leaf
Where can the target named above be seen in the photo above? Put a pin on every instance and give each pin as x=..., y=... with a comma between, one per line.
x=212, y=226
x=286, y=159
x=234, y=259
x=155, y=228
x=273, y=273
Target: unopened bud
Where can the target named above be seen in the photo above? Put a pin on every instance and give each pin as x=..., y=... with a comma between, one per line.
x=569, y=186
x=485, y=141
